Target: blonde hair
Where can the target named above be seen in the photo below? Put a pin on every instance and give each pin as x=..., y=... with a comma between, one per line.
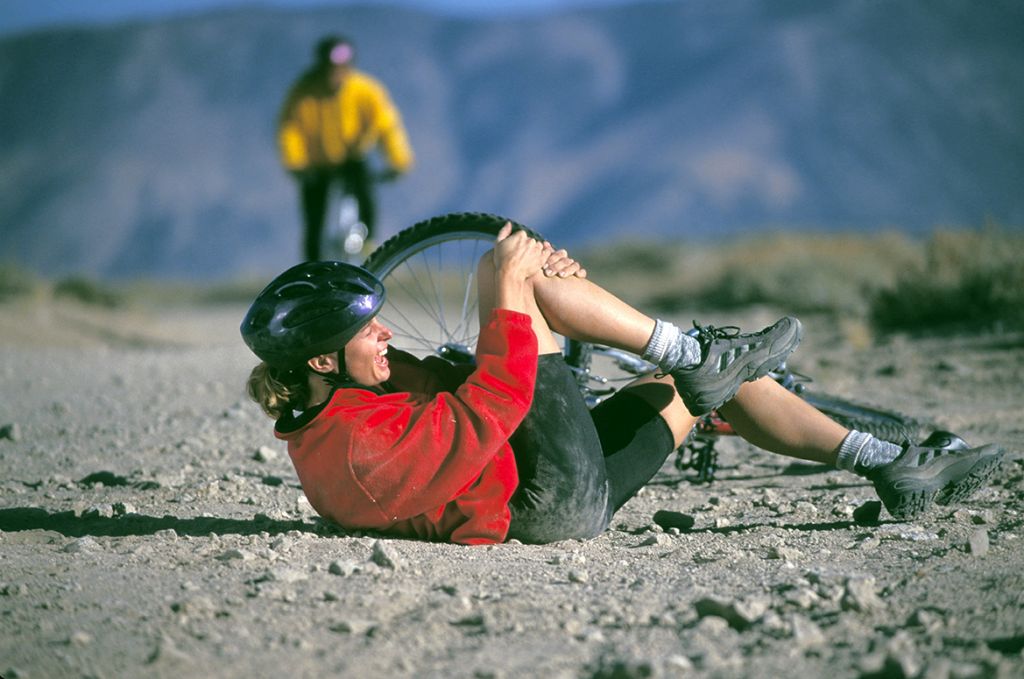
x=278, y=391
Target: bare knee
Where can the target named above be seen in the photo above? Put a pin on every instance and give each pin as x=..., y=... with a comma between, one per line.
x=660, y=394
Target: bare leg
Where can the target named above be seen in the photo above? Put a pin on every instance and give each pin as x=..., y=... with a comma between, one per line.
x=576, y=308
x=772, y=417
x=762, y=412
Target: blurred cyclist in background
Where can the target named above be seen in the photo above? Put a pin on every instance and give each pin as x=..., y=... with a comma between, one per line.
x=333, y=117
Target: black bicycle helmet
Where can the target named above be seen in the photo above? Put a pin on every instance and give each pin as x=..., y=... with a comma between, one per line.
x=312, y=308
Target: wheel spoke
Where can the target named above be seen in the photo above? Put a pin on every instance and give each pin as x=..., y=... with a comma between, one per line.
x=438, y=282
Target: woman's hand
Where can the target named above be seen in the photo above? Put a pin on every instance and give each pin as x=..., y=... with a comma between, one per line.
x=518, y=256
x=560, y=264
x=517, y=259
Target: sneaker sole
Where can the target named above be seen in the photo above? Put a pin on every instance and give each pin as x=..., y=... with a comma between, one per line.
x=972, y=473
x=977, y=477
x=746, y=371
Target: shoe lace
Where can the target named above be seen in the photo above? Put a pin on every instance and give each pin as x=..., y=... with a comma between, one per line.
x=710, y=333
x=705, y=335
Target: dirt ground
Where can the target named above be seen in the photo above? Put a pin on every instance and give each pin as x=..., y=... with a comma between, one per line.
x=150, y=525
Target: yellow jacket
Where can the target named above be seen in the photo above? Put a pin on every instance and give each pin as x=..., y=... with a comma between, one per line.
x=318, y=127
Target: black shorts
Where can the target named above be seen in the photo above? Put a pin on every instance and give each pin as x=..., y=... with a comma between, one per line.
x=577, y=466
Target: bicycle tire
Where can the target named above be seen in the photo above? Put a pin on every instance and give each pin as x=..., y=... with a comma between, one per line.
x=342, y=219
x=429, y=271
x=884, y=424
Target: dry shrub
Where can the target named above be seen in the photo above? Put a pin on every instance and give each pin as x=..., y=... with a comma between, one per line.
x=87, y=291
x=16, y=281
x=967, y=279
x=808, y=272
x=796, y=271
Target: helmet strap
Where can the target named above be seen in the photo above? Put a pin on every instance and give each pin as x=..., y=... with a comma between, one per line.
x=340, y=379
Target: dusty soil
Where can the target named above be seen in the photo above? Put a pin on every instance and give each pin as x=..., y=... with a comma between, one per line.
x=151, y=526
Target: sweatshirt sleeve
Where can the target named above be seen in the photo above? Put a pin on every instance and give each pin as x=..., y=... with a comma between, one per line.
x=291, y=140
x=413, y=459
x=394, y=141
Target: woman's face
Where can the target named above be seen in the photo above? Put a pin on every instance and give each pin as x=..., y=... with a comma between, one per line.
x=366, y=354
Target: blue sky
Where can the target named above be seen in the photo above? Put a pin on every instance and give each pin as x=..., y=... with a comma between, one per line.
x=22, y=15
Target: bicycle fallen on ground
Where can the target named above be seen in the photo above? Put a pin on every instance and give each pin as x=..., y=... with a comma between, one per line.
x=429, y=270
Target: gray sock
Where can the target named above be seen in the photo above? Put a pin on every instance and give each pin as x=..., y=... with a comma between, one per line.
x=671, y=348
x=860, y=453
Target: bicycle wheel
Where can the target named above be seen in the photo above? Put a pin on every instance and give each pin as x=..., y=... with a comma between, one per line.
x=344, y=231
x=429, y=270
x=886, y=425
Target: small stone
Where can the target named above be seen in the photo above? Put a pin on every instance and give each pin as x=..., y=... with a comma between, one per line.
x=265, y=454
x=124, y=508
x=929, y=620
x=655, y=539
x=869, y=543
x=235, y=555
x=79, y=638
x=802, y=598
x=806, y=633
x=83, y=544
x=902, y=657
x=343, y=568
x=783, y=552
x=873, y=665
x=860, y=595
x=302, y=506
x=384, y=556
x=167, y=653
x=353, y=626
x=867, y=514
x=983, y=517
x=977, y=543
x=198, y=608
x=11, y=432
x=13, y=590
x=740, y=614
x=669, y=519
x=579, y=576
x=805, y=507
x=103, y=511
x=678, y=664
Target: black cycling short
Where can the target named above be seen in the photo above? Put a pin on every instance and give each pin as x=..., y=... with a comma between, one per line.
x=577, y=466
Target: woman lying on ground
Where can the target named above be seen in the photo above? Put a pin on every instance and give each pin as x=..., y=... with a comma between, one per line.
x=507, y=449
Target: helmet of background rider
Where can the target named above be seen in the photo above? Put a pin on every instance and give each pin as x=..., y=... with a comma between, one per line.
x=334, y=50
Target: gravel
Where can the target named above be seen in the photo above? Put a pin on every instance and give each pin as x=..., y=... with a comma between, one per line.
x=151, y=526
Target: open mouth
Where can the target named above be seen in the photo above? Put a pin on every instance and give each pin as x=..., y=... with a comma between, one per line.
x=381, y=359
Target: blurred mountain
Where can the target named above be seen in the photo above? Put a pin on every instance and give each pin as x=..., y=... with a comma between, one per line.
x=148, y=149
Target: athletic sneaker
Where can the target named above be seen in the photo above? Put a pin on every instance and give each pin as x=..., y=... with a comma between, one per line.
x=943, y=474
x=728, y=359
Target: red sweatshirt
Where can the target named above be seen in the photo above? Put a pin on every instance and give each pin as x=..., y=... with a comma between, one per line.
x=431, y=461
